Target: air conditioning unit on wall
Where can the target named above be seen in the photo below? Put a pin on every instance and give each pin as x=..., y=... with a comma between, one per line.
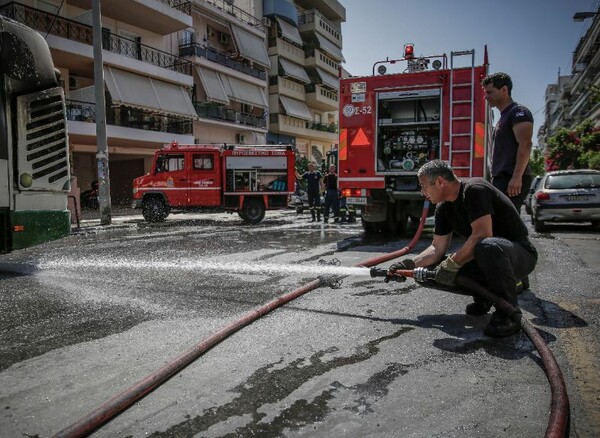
x=223, y=38
x=241, y=138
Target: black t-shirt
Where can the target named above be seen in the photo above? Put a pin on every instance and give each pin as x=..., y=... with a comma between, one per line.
x=478, y=198
x=504, y=154
x=330, y=181
x=312, y=179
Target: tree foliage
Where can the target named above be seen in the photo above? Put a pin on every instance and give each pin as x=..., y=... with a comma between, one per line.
x=536, y=162
x=574, y=149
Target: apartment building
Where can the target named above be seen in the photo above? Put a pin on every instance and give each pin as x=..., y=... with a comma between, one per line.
x=576, y=97
x=266, y=72
x=305, y=48
x=227, y=47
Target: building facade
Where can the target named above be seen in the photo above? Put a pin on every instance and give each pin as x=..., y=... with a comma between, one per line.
x=197, y=71
x=575, y=97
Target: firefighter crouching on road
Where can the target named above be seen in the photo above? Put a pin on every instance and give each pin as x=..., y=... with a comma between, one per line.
x=330, y=181
x=313, y=190
x=496, y=251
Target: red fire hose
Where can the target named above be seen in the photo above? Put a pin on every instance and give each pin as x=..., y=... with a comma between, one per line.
x=122, y=401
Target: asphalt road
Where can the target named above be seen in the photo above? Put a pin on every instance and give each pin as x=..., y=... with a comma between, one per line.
x=87, y=317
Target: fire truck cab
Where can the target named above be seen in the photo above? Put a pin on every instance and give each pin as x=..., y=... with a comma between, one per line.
x=392, y=124
x=245, y=179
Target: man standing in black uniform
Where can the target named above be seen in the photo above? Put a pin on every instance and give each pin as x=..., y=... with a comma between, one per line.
x=511, y=139
x=332, y=200
x=313, y=180
x=496, y=250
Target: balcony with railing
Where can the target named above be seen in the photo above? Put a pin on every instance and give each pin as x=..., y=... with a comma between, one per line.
x=128, y=117
x=283, y=49
x=283, y=124
x=230, y=9
x=286, y=87
x=159, y=16
x=313, y=21
x=224, y=114
x=317, y=59
x=321, y=98
x=214, y=55
x=45, y=22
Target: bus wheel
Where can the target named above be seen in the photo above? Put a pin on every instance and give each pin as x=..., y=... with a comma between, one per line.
x=253, y=211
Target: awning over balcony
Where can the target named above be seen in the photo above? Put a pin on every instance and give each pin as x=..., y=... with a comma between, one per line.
x=295, y=108
x=244, y=92
x=211, y=81
x=294, y=70
x=289, y=32
x=329, y=48
x=250, y=46
x=147, y=93
x=328, y=79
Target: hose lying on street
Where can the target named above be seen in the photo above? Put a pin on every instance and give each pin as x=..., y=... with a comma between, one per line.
x=118, y=404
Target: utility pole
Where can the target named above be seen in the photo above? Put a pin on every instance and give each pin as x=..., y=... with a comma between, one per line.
x=102, y=147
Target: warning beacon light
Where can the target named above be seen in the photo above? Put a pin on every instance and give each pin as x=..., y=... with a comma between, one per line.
x=409, y=51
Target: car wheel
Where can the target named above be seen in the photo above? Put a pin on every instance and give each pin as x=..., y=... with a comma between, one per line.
x=538, y=225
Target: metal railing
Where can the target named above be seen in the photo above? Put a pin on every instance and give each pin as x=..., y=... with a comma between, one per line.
x=312, y=88
x=217, y=112
x=181, y=6
x=240, y=14
x=299, y=123
x=128, y=117
x=45, y=22
x=314, y=16
x=195, y=49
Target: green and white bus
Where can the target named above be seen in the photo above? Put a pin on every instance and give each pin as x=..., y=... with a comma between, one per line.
x=34, y=151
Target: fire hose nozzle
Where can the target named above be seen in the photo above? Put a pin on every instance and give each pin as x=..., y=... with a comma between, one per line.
x=396, y=276
x=378, y=272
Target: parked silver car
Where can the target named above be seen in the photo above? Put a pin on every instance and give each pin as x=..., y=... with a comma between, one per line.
x=532, y=190
x=567, y=196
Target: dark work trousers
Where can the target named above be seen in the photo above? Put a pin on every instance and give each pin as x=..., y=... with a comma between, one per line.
x=499, y=264
x=332, y=201
x=501, y=183
x=314, y=204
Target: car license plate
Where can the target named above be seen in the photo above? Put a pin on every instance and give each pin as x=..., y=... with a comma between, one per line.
x=356, y=201
x=577, y=198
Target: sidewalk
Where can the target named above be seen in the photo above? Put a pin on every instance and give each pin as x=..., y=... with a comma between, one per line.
x=91, y=218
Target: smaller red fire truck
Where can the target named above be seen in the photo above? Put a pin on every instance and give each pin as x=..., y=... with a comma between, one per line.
x=245, y=179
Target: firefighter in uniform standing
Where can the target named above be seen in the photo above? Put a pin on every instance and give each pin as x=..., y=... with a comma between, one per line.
x=313, y=190
x=330, y=181
x=512, y=139
x=496, y=251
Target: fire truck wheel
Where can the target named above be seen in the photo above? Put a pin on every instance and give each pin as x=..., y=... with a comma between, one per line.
x=254, y=211
x=370, y=227
x=154, y=210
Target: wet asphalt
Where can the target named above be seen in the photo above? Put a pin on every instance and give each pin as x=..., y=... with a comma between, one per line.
x=88, y=316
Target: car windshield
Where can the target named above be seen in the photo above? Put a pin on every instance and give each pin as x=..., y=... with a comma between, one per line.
x=573, y=181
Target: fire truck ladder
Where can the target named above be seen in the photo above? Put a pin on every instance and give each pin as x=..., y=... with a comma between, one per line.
x=454, y=104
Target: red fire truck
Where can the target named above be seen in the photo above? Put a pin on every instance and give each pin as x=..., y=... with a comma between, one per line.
x=245, y=179
x=392, y=124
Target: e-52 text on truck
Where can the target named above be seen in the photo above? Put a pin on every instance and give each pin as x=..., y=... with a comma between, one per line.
x=245, y=179
x=392, y=124
x=34, y=148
